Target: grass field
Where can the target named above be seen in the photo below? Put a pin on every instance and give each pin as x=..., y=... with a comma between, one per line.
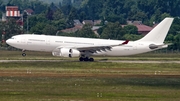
x=88, y=81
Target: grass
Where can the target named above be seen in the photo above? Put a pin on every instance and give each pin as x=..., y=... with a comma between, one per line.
x=88, y=81
x=85, y=88
x=59, y=81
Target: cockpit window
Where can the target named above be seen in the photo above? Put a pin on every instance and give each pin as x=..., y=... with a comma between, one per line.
x=12, y=38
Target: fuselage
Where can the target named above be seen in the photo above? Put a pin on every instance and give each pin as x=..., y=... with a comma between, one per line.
x=49, y=43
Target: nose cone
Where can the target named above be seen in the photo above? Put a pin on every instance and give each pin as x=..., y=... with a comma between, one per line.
x=9, y=41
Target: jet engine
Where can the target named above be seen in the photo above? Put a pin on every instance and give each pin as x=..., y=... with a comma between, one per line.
x=66, y=52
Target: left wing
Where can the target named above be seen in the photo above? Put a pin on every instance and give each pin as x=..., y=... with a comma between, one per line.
x=94, y=49
x=91, y=49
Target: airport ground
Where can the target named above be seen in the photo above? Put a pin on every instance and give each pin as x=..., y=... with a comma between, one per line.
x=42, y=77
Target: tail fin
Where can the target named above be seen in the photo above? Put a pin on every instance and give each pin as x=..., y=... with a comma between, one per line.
x=158, y=34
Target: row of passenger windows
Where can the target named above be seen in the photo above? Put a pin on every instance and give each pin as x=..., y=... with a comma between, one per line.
x=62, y=42
x=36, y=40
x=79, y=43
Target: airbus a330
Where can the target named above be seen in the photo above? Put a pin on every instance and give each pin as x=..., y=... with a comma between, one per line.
x=84, y=48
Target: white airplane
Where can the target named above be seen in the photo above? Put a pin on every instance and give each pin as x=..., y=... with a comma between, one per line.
x=86, y=47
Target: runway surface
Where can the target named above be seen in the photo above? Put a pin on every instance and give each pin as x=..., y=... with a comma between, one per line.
x=118, y=61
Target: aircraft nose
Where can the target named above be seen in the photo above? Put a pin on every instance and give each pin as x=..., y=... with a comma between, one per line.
x=9, y=41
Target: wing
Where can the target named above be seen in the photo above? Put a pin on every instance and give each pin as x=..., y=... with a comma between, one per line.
x=94, y=49
x=91, y=49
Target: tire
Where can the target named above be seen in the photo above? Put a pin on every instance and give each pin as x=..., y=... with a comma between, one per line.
x=91, y=59
x=23, y=54
x=86, y=59
x=81, y=59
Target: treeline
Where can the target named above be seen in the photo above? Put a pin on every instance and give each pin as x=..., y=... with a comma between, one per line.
x=53, y=17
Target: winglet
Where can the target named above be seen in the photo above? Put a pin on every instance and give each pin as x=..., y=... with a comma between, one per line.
x=125, y=42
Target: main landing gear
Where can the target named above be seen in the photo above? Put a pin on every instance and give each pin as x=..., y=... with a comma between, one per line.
x=86, y=59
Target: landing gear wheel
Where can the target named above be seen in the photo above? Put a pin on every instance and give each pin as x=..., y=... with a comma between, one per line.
x=81, y=59
x=91, y=59
x=23, y=54
x=86, y=59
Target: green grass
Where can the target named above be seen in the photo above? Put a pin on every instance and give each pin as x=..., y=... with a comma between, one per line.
x=85, y=88
x=88, y=81
x=66, y=81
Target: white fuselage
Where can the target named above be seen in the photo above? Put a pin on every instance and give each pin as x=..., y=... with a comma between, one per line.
x=49, y=43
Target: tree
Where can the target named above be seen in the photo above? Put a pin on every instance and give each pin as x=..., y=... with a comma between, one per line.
x=170, y=38
x=58, y=20
x=164, y=15
x=175, y=28
x=113, y=31
x=86, y=31
x=2, y=6
x=66, y=9
x=66, y=2
x=140, y=16
x=115, y=18
x=34, y=20
x=131, y=29
x=38, y=6
x=70, y=20
x=49, y=30
x=156, y=16
x=132, y=37
x=82, y=16
x=176, y=43
x=3, y=26
x=38, y=28
x=112, y=7
x=49, y=14
x=175, y=8
x=10, y=27
x=58, y=15
x=59, y=24
x=93, y=9
x=50, y=11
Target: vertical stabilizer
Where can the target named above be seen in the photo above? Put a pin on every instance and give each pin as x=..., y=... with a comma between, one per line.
x=158, y=34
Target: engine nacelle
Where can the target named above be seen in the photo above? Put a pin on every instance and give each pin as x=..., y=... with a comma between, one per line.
x=66, y=52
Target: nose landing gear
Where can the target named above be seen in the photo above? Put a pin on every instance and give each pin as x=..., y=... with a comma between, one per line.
x=23, y=54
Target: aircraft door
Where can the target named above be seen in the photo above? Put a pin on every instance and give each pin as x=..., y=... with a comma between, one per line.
x=135, y=46
x=48, y=41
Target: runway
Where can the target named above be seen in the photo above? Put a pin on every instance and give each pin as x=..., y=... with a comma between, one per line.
x=117, y=61
x=130, y=61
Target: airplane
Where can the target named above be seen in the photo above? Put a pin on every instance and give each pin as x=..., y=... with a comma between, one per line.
x=85, y=47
